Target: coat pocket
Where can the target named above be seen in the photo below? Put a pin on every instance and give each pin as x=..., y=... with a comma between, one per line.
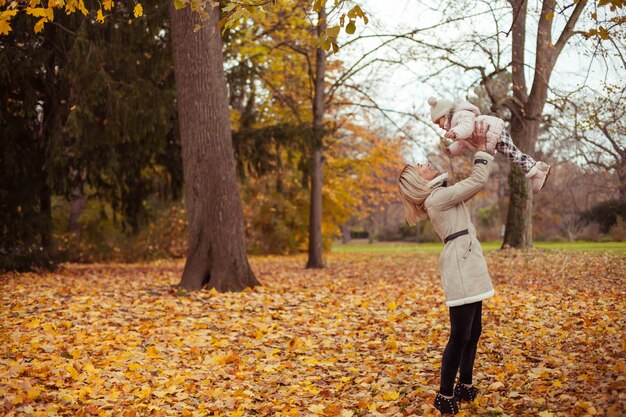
x=468, y=248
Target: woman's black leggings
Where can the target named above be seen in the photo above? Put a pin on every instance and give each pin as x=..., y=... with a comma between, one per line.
x=465, y=323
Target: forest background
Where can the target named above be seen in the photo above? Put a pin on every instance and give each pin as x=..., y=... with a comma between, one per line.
x=91, y=153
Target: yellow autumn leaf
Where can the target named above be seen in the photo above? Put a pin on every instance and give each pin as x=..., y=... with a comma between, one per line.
x=82, y=8
x=496, y=385
x=89, y=368
x=392, y=306
x=99, y=16
x=152, y=351
x=238, y=413
x=33, y=393
x=72, y=371
x=316, y=408
x=107, y=4
x=144, y=393
x=138, y=11
x=5, y=27
x=8, y=14
x=36, y=11
x=48, y=328
x=259, y=334
x=392, y=344
x=391, y=396
x=134, y=366
x=39, y=25
x=33, y=324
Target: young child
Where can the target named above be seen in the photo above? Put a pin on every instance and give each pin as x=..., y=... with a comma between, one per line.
x=457, y=119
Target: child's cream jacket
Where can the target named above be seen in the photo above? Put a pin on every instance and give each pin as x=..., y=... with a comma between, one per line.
x=461, y=120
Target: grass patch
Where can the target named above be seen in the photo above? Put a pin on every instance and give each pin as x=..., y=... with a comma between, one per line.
x=362, y=246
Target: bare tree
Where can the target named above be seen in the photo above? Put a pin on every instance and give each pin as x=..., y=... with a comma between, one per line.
x=487, y=56
x=599, y=131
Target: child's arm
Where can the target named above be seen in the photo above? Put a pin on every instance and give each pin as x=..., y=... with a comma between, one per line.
x=463, y=122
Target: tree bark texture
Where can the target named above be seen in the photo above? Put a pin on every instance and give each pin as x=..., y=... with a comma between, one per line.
x=216, y=256
x=317, y=162
x=518, y=232
x=76, y=209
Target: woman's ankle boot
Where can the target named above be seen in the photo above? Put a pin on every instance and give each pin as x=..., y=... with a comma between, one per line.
x=446, y=405
x=464, y=393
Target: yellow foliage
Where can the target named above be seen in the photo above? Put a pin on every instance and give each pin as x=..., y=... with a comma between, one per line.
x=138, y=10
x=39, y=25
x=5, y=27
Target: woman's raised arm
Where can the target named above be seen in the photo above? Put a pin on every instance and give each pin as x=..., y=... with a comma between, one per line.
x=447, y=197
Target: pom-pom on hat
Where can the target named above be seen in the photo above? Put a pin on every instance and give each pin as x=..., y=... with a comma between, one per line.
x=438, y=108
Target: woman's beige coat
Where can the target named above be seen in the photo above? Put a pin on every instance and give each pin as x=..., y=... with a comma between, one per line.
x=464, y=274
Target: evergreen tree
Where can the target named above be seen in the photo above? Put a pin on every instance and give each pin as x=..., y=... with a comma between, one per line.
x=90, y=105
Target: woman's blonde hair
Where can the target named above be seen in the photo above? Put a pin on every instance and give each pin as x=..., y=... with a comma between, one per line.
x=413, y=192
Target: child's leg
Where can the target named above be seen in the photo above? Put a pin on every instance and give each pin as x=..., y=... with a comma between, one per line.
x=469, y=354
x=506, y=147
x=461, y=318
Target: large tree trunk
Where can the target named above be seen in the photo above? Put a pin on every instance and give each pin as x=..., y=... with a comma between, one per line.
x=527, y=108
x=519, y=231
x=315, y=218
x=216, y=257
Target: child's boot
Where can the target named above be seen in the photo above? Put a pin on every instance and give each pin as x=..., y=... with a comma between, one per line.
x=464, y=393
x=446, y=405
x=539, y=174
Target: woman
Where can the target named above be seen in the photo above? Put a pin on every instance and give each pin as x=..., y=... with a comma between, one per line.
x=464, y=274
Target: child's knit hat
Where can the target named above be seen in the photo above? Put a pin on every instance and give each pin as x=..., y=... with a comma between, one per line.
x=438, y=108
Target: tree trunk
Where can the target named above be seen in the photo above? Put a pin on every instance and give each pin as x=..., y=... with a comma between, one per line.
x=345, y=233
x=45, y=201
x=76, y=208
x=621, y=176
x=519, y=231
x=315, y=218
x=216, y=256
x=527, y=108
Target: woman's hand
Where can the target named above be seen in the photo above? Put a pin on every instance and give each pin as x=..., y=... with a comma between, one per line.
x=480, y=136
x=450, y=134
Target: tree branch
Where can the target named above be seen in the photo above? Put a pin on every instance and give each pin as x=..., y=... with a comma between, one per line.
x=568, y=30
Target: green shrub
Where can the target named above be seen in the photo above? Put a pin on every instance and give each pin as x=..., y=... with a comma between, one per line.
x=605, y=214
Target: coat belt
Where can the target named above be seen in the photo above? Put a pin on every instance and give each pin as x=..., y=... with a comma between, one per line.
x=455, y=235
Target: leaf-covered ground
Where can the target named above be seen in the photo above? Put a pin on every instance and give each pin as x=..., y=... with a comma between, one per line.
x=363, y=337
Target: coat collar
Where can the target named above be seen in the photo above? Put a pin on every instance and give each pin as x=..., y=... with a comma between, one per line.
x=439, y=181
